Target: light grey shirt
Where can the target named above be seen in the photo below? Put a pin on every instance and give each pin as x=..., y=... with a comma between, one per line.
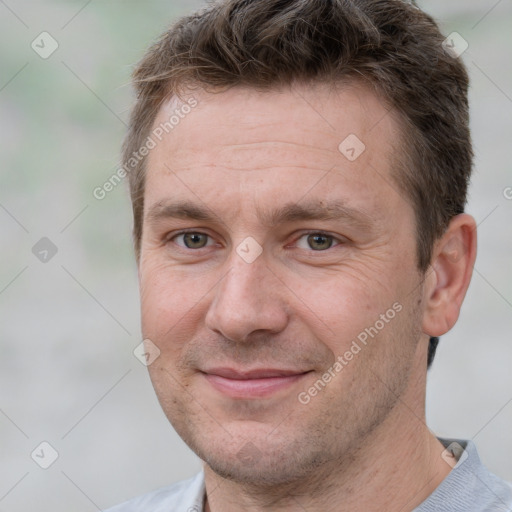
x=469, y=487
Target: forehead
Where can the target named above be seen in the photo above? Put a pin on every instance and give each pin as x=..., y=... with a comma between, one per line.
x=299, y=140
x=317, y=117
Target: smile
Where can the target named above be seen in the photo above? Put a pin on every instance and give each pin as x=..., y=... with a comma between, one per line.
x=252, y=384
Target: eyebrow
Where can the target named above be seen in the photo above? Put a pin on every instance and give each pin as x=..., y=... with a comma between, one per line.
x=290, y=212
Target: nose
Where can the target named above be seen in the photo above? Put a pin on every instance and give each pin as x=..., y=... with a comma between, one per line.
x=249, y=298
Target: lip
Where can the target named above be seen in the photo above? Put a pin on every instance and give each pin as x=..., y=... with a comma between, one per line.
x=256, y=383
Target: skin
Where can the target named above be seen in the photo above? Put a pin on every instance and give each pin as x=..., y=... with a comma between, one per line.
x=361, y=443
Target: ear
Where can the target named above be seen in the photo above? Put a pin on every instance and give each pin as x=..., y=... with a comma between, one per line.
x=449, y=275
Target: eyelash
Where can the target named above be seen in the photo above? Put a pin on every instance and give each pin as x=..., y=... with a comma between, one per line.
x=305, y=234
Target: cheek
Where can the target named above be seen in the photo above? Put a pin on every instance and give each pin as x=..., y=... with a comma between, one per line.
x=347, y=299
x=362, y=324
x=169, y=301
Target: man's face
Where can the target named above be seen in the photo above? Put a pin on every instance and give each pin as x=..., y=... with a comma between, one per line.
x=295, y=249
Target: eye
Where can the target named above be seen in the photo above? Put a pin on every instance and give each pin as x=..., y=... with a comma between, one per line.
x=317, y=241
x=191, y=240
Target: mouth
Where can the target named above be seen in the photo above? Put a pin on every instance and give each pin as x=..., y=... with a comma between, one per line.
x=250, y=384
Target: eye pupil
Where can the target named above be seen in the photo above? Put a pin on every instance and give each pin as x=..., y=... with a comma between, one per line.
x=194, y=241
x=319, y=242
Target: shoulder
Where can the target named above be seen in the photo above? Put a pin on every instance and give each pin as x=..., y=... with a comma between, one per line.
x=470, y=486
x=186, y=495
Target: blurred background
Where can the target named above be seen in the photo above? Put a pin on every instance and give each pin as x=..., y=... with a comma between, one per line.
x=69, y=308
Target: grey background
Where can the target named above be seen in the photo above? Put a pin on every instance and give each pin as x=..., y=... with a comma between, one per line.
x=68, y=326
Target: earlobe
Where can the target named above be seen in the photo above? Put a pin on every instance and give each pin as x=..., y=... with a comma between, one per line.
x=451, y=268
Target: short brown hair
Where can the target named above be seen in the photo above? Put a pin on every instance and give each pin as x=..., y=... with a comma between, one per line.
x=391, y=45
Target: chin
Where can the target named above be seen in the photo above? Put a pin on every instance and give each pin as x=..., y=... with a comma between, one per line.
x=260, y=462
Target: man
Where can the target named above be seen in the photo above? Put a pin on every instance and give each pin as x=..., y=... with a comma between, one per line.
x=298, y=173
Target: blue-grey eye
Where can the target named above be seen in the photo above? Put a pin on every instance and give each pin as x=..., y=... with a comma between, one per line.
x=319, y=241
x=194, y=240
